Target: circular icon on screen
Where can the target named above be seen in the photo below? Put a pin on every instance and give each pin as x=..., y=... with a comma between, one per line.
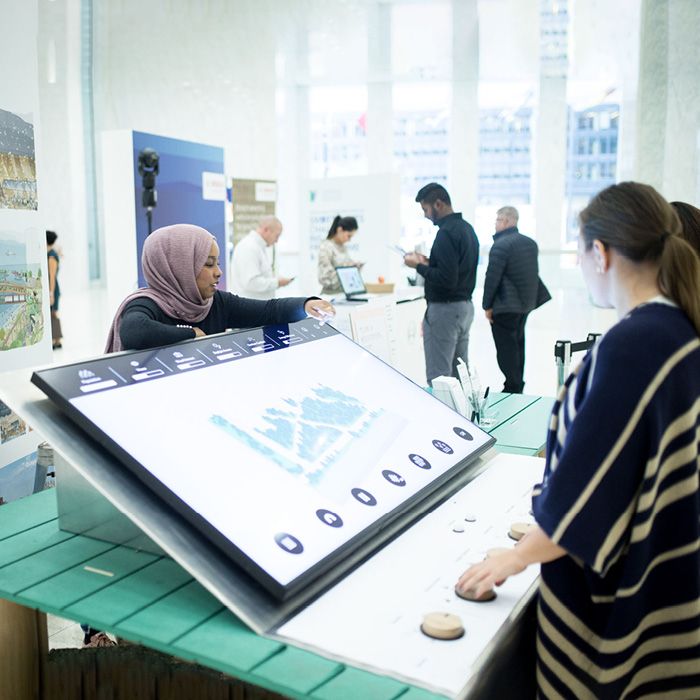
x=419, y=461
x=394, y=478
x=329, y=518
x=289, y=543
x=443, y=447
x=364, y=497
x=462, y=433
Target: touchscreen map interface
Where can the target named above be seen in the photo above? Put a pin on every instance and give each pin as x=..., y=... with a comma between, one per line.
x=286, y=445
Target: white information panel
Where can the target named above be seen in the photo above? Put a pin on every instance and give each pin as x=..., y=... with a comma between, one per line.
x=372, y=618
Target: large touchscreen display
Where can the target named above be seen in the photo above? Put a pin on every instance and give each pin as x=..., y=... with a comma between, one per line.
x=286, y=445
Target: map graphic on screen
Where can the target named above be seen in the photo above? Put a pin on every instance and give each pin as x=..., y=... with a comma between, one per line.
x=287, y=447
x=322, y=437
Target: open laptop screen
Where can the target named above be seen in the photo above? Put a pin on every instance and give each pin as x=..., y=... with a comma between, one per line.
x=351, y=280
x=286, y=446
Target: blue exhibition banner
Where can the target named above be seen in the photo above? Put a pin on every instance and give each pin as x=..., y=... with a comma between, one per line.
x=183, y=167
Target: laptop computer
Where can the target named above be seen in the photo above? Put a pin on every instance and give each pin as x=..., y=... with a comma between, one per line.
x=352, y=284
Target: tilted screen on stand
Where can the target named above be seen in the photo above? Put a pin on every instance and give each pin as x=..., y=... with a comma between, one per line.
x=286, y=446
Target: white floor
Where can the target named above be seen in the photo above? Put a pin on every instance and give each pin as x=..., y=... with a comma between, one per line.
x=570, y=316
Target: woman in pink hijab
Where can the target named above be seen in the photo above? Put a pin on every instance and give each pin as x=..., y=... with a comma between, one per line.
x=181, y=265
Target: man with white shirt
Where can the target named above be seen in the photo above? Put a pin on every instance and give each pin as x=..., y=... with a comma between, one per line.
x=252, y=273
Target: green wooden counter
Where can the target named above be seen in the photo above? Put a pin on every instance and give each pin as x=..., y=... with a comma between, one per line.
x=151, y=600
x=519, y=422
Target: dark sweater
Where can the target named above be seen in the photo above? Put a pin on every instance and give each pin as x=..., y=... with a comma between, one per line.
x=512, y=277
x=620, y=495
x=144, y=325
x=451, y=272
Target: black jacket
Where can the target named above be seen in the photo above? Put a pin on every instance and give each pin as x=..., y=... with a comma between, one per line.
x=512, y=282
x=145, y=325
x=451, y=272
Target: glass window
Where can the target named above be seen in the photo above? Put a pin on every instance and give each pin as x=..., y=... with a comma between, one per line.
x=421, y=40
x=421, y=150
x=338, y=140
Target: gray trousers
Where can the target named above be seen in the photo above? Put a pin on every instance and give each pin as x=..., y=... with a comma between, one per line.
x=446, y=336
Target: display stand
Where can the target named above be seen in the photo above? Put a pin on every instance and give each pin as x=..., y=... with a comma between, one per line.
x=181, y=608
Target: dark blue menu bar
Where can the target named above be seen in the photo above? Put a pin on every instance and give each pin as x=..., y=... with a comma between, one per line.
x=123, y=369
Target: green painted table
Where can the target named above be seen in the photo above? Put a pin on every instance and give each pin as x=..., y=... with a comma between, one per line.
x=151, y=600
x=519, y=422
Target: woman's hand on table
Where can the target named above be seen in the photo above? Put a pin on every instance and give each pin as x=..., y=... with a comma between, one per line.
x=319, y=309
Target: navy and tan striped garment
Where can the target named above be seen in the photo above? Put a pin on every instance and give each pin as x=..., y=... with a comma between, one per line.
x=619, y=616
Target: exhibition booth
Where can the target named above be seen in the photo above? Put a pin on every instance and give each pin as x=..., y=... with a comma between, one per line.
x=324, y=511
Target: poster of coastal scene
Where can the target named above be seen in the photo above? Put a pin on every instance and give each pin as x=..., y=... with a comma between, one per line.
x=11, y=425
x=17, y=163
x=19, y=478
x=21, y=315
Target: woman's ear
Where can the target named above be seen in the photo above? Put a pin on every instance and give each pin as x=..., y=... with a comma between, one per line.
x=601, y=256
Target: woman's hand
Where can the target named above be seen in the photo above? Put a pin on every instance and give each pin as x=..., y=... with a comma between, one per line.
x=320, y=309
x=491, y=572
x=534, y=548
x=198, y=332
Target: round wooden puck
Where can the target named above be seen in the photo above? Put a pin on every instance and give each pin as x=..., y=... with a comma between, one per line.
x=495, y=551
x=519, y=530
x=442, y=625
x=485, y=597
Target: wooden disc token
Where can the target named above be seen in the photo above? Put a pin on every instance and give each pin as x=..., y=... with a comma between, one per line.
x=485, y=597
x=496, y=550
x=519, y=530
x=442, y=625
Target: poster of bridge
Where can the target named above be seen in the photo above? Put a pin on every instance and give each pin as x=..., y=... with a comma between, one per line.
x=21, y=315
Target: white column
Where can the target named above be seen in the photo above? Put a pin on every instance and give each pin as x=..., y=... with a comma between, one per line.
x=380, y=132
x=464, y=126
x=293, y=147
x=63, y=189
x=682, y=153
x=549, y=161
x=652, y=96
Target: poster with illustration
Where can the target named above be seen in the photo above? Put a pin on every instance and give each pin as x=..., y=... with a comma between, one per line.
x=21, y=313
x=25, y=335
x=17, y=161
x=11, y=425
x=21, y=478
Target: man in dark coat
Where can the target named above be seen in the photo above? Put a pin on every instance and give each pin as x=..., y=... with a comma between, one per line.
x=450, y=277
x=512, y=289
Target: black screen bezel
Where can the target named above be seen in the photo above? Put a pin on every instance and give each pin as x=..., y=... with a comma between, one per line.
x=41, y=379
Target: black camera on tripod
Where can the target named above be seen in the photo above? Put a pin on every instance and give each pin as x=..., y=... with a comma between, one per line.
x=148, y=170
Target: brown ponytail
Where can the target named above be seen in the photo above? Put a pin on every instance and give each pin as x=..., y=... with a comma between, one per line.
x=640, y=224
x=679, y=277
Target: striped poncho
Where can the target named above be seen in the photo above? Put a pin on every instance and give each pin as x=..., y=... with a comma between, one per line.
x=619, y=615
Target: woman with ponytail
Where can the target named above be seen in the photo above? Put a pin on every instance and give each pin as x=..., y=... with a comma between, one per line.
x=333, y=253
x=618, y=510
x=690, y=223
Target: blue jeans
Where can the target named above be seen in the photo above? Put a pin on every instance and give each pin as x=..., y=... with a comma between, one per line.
x=446, y=337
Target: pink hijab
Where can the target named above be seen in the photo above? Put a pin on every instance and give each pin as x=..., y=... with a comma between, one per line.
x=172, y=258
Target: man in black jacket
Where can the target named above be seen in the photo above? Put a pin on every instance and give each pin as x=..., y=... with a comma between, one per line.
x=512, y=289
x=450, y=277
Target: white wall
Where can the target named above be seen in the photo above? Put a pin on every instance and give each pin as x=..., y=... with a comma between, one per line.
x=196, y=71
